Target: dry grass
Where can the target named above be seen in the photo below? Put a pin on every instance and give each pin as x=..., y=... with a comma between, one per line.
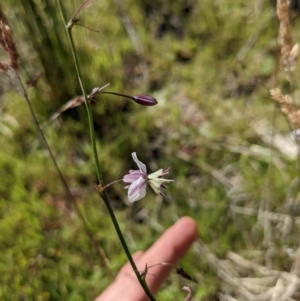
x=287, y=106
x=8, y=44
x=255, y=278
x=285, y=34
x=243, y=279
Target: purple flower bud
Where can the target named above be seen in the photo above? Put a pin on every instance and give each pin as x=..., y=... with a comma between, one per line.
x=145, y=100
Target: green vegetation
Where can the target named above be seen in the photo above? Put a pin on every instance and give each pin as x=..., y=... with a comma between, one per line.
x=210, y=65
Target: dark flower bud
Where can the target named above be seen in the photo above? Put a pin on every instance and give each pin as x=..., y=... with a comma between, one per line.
x=145, y=100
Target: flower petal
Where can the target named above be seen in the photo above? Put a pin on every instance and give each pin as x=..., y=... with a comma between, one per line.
x=159, y=174
x=156, y=174
x=155, y=186
x=157, y=181
x=137, y=190
x=140, y=164
x=133, y=176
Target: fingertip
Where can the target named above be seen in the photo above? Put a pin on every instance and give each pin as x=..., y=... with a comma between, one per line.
x=189, y=226
x=182, y=235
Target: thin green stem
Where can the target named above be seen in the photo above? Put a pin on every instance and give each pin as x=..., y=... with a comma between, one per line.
x=98, y=170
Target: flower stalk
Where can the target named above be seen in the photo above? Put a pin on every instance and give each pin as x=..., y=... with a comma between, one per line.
x=141, y=99
x=98, y=170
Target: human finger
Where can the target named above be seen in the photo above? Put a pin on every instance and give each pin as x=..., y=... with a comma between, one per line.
x=170, y=247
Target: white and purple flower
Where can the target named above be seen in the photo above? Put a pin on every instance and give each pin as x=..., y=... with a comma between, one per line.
x=139, y=179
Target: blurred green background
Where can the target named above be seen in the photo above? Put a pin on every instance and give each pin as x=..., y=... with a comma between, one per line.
x=210, y=65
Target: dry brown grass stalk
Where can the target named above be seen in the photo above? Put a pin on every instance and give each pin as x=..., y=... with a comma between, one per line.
x=8, y=44
x=287, y=106
x=289, y=53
